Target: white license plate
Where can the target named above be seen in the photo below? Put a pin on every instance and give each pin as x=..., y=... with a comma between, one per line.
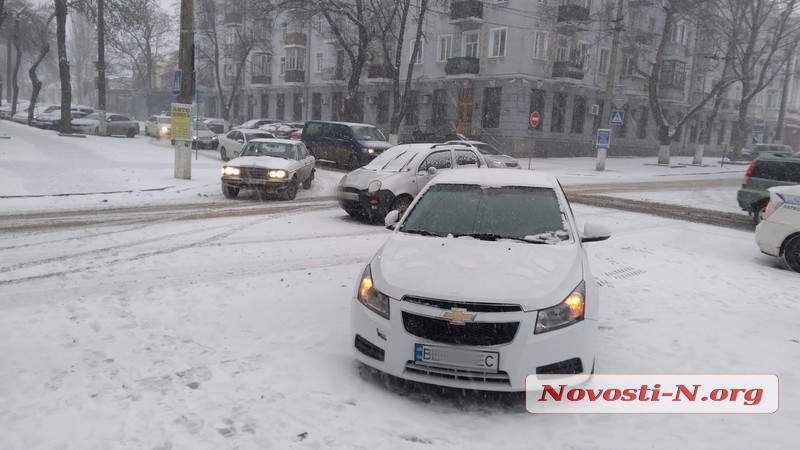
x=435, y=355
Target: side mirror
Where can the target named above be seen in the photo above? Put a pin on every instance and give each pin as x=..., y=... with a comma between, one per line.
x=593, y=232
x=391, y=219
x=241, y=141
x=432, y=170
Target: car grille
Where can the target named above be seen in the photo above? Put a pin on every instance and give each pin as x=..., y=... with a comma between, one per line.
x=568, y=367
x=512, y=164
x=457, y=374
x=253, y=172
x=470, y=333
x=469, y=306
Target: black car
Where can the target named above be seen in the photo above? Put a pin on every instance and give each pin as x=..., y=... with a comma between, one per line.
x=344, y=144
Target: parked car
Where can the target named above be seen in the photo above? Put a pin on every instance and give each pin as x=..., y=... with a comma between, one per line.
x=344, y=144
x=158, y=126
x=230, y=145
x=202, y=136
x=116, y=124
x=749, y=154
x=283, y=130
x=494, y=157
x=484, y=281
x=272, y=166
x=392, y=180
x=254, y=123
x=22, y=114
x=778, y=234
x=217, y=125
x=765, y=172
x=50, y=119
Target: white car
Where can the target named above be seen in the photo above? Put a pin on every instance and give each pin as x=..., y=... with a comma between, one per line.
x=484, y=281
x=494, y=157
x=778, y=233
x=230, y=145
x=116, y=124
x=392, y=180
x=158, y=126
x=271, y=166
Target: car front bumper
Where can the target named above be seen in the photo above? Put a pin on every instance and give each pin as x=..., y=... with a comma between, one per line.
x=266, y=185
x=770, y=235
x=566, y=354
x=371, y=205
x=199, y=144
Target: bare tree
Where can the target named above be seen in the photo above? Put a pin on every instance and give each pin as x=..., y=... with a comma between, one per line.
x=63, y=65
x=42, y=28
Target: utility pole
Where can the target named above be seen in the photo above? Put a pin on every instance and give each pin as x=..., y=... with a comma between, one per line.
x=784, y=99
x=183, y=149
x=612, y=77
x=101, y=65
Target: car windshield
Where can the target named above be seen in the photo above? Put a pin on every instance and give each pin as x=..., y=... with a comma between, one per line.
x=393, y=160
x=200, y=126
x=367, y=133
x=51, y=109
x=164, y=119
x=93, y=116
x=530, y=214
x=276, y=149
x=487, y=149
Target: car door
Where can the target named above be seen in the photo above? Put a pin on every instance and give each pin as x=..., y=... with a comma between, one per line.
x=440, y=159
x=115, y=124
x=237, y=142
x=151, y=127
x=305, y=161
x=467, y=158
x=341, y=144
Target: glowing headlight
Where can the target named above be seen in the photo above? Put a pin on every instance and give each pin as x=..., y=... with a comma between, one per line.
x=372, y=298
x=277, y=174
x=566, y=313
x=370, y=151
x=214, y=138
x=375, y=186
x=227, y=170
x=164, y=129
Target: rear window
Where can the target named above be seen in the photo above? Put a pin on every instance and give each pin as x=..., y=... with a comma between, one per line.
x=777, y=170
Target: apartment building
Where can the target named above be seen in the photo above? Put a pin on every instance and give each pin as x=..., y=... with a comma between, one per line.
x=483, y=69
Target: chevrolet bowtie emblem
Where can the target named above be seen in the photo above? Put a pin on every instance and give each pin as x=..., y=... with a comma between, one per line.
x=458, y=316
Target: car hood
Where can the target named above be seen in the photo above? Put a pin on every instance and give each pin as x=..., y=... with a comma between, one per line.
x=264, y=162
x=203, y=134
x=47, y=116
x=535, y=276
x=377, y=145
x=362, y=177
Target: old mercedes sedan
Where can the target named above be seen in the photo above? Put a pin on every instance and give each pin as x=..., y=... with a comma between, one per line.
x=270, y=166
x=484, y=281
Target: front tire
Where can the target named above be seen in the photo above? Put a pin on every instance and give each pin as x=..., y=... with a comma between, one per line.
x=229, y=191
x=307, y=183
x=223, y=154
x=131, y=132
x=97, y=131
x=790, y=256
x=290, y=193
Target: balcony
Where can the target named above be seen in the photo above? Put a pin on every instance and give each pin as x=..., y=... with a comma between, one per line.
x=572, y=18
x=295, y=39
x=462, y=65
x=642, y=37
x=466, y=11
x=295, y=76
x=567, y=69
x=673, y=49
x=379, y=71
x=260, y=79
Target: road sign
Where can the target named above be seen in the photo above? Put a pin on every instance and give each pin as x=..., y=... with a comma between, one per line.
x=603, y=138
x=181, y=122
x=617, y=116
x=759, y=128
x=536, y=119
x=176, y=82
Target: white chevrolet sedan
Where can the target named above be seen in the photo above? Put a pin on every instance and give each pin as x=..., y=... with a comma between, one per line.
x=778, y=233
x=483, y=282
x=271, y=166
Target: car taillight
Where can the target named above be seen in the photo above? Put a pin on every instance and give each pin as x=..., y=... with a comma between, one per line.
x=749, y=172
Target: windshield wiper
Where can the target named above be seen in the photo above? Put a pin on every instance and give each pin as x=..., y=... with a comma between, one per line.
x=421, y=232
x=494, y=237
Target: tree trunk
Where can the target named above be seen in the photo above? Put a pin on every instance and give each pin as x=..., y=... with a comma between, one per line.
x=740, y=130
x=63, y=66
x=35, y=82
x=17, y=62
x=101, y=67
x=665, y=140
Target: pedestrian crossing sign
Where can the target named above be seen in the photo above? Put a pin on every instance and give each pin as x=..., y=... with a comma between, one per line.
x=617, y=117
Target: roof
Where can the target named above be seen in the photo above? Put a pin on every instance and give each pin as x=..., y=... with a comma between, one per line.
x=279, y=141
x=349, y=124
x=252, y=130
x=496, y=177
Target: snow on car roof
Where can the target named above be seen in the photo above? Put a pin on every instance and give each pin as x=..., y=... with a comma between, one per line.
x=496, y=177
x=275, y=141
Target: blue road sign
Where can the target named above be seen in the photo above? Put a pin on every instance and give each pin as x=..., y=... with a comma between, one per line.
x=603, y=138
x=759, y=128
x=176, y=82
x=617, y=117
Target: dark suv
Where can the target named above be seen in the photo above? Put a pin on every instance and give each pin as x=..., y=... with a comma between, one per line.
x=765, y=172
x=345, y=144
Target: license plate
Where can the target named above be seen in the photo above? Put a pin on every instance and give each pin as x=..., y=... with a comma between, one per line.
x=435, y=355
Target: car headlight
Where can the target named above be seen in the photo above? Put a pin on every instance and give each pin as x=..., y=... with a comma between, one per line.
x=343, y=181
x=371, y=297
x=564, y=314
x=228, y=170
x=369, y=151
x=214, y=138
x=277, y=173
x=373, y=187
x=164, y=129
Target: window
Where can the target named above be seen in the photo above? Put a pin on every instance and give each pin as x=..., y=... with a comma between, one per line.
x=470, y=44
x=562, y=48
x=383, y=107
x=559, y=111
x=577, y=54
x=316, y=106
x=673, y=73
x=678, y=34
x=297, y=107
x=261, y=64
x=578, y=115
x=295, y=58
x=628, y=61
x=466, y=158
x=498, y=42
x=336, y=105
x=280, y=100
x=445, y=47
x=644, y=118
x=264, y=105
x=440, y=160
x=412, y=113
x=605, y=56
x=540, y=45
x=492, y=98
x=283, y=65
x=439, y=109
x=772, y=98
x=420, y=51
x=320, y=60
